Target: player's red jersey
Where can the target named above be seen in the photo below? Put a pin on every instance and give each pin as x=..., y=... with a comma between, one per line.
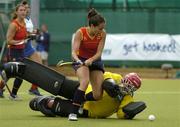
x=89, y=45
x=20, y=34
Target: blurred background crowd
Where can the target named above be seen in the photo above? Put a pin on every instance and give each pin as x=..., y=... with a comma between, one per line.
x=60, y=18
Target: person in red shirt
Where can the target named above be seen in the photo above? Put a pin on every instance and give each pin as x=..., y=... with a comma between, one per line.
x=16, y=38
x=87, y=48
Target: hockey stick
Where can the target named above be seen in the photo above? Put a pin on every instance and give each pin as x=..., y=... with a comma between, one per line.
x=23, y=42
x=62, y=63
x=4, y=43
x=2, y=50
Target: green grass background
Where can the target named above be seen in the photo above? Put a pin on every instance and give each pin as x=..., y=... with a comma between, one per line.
x=162, y=97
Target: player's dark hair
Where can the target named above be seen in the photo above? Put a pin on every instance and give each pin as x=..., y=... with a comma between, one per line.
x=95, y=18
x=24, y=2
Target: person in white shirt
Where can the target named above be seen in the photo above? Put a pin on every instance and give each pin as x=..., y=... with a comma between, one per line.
x=30, y=51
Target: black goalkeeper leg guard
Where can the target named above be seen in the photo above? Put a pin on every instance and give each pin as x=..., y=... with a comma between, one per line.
x=46, y=78
x=133, y=108
x=68, y=88
x=63, y=108
x=49, y=80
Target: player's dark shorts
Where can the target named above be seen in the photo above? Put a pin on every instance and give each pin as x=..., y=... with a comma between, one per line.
x=96, y=65
x=29, y=49
x=15, y=54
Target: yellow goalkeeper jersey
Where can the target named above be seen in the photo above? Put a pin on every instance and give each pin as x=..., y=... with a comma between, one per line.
x=107, y=105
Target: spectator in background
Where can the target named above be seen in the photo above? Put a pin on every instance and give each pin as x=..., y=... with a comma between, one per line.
x=43, y=44
x=16, y=38
x=30, y=51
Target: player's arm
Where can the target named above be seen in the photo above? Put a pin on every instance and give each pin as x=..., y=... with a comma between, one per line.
x=76, y=45
x=112, y=89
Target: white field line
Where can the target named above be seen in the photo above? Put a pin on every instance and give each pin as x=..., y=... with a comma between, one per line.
x=145, y=92
x=158, y=92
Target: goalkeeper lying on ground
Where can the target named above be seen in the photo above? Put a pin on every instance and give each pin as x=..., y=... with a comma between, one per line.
x=116, y=98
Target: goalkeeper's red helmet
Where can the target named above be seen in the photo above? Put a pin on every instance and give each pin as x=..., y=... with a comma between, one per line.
x=132, y=81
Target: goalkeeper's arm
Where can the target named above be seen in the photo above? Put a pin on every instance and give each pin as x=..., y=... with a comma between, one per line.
x=112, y=89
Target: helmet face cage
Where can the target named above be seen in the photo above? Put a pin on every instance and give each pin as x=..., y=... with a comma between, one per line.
x=129, y=88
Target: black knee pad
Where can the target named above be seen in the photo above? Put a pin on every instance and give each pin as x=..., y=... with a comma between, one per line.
x=14, y=69
x=33, y=104
x=40, y=104
x=49, y=80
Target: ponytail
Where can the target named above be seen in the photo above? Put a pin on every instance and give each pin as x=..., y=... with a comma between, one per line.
x=92, y=12
x=95, y=18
